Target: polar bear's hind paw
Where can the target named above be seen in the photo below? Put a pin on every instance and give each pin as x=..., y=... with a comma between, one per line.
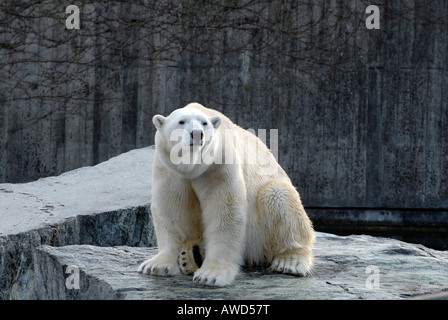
x=299, y=265
x=190, y=259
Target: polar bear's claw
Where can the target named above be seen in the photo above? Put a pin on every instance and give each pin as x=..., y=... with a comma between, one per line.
x=215, y=274
x=298, y=265
x=159, y=266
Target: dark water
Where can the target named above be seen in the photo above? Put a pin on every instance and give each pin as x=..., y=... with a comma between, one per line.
x=437, y=240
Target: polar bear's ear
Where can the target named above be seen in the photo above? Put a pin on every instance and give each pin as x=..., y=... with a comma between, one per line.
x=216, y=121
x=158, y=120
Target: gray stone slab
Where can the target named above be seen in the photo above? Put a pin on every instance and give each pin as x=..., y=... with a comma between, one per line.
x=352, y=267
x=121, y=182
x=105, y=205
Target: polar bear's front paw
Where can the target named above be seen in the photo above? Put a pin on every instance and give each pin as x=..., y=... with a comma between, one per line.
x=160, y=265
x=216, y=273
x=294, y=264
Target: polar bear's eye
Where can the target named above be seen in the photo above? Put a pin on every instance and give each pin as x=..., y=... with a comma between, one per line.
x=204, y=123
x=181, y=122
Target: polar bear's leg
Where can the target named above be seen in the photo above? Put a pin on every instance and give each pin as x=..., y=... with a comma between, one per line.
x=223, y=202
x=289, y=231
x=224, y=244
x=176, y=218
x=165, y=262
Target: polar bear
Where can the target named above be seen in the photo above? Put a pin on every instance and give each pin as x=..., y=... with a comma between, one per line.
x=208, y=196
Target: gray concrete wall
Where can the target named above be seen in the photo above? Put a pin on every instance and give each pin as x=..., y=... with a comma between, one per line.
x=362, y=114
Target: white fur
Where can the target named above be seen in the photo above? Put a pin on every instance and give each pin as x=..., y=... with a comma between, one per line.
x=237, y=210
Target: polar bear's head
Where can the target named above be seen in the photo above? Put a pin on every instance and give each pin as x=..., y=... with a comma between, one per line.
x=187, y=128
x=185, y=135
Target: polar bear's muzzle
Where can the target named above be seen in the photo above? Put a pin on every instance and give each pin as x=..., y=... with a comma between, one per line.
x=196, y=137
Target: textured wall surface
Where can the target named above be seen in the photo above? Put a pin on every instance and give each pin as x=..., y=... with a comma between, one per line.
x=362, y=114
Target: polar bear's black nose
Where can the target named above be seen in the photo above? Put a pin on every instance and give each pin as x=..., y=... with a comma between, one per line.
x=197, y=135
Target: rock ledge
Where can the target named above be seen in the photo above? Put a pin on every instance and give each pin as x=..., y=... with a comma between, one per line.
x=353, y=267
